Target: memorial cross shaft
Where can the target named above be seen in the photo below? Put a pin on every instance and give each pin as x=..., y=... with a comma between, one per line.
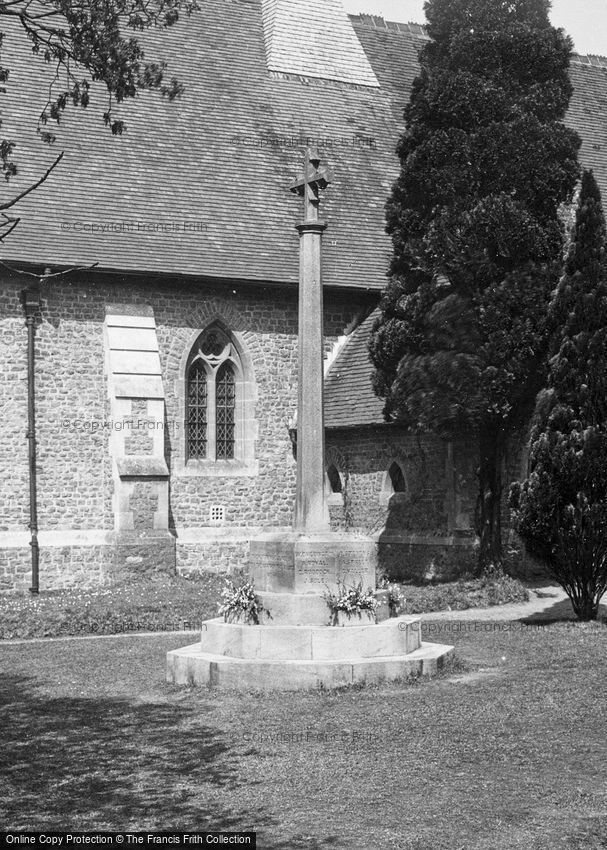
x=311, y=509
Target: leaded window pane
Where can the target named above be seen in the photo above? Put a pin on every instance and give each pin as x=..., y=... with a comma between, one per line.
x=225, y=411
x=197, y=412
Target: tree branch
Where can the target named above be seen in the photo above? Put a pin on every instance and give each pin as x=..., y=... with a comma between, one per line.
x=13, y=222
x=45, y=276
x=35, y=185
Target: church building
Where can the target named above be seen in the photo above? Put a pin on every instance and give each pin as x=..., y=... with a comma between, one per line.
x=161, y=270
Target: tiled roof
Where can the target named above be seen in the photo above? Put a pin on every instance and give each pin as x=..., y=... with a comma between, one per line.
x=349, y=397
x=220, y=159
x=200, y=186
x=314, y=39
x=588, y=114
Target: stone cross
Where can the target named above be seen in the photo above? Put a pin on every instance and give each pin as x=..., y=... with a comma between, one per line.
x=309, y=183
x=311, y=509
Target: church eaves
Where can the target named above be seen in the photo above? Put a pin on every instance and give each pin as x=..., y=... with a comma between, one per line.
x=314, y=38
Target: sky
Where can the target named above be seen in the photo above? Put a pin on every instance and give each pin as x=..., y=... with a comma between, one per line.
x=584, y=20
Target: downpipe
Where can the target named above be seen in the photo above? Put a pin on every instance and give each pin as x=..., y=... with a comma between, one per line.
x=30, y=299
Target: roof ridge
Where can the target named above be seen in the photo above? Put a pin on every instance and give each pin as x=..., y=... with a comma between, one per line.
x=379, y=23
x=411, y=28
x=590, y=59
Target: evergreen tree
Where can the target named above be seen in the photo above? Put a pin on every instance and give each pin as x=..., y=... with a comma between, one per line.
x=486, y=161
x=561, y=509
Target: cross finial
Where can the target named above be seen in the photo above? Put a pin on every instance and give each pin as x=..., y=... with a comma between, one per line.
x=309, y=184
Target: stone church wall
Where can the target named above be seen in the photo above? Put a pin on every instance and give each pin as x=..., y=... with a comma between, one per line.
x=426, y=532
x=76, y=488
x=423, y=532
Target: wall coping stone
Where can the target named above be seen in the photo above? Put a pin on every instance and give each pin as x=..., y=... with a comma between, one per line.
x=227, y=534
x=142, y=466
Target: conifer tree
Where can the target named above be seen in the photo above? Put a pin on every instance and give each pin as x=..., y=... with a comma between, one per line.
x=486, y=161
x=561, y=508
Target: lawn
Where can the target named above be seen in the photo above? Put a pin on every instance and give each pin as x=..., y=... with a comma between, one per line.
x=505, y=750
x=175, y=603
x=168, y=603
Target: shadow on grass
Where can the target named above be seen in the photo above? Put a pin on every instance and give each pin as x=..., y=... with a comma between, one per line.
x=304, y=843
x=112, y=763
x=560, y=612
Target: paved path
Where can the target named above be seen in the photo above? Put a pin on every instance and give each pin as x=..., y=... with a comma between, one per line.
x=537, y=604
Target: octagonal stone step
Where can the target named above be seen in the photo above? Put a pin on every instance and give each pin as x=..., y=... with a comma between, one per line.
x=307, y=609
x=397, y=636
x=192, y=666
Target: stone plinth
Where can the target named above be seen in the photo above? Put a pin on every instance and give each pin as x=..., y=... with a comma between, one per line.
x=311, y=563
x=309, y=609
x=308, y=643
x=295, y=609
x=188, y=666
x=300, y=657
x=297, y=648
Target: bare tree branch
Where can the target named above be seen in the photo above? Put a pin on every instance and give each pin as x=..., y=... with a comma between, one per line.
x=35, y=185
x=45, y=276
x=10, y=223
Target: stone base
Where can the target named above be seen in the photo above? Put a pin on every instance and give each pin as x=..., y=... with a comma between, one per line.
x=300, y=643
x=192, y=666
x=297, y=649
x=362, y=618
x=299, y=657
x=295, y=609
x=290, y=562
x=310, y=609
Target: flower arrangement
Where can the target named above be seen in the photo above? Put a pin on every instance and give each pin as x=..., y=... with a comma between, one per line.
x=241, y=604
x=395, y=597
x=351, y=601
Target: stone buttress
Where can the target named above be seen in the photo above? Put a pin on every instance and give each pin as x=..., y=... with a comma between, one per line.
x=137, y=442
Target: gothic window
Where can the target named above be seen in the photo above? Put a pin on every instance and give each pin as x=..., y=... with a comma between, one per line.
x=225, y=408
x=197, y=411
x=334, y=479
x=214, y=383
x=397, y=478
x=394, y=485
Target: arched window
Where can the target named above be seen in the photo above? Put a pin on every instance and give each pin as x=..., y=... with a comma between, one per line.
x=334, y=490
x=197, y=410
x=394, y=486
x=214, y=379
x=334, y=480
x=225, y=407
x=397, y=479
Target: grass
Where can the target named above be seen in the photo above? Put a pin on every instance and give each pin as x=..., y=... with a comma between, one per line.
x=505, y=751
x=498, y=589
x=167, y=604
x=180, y=604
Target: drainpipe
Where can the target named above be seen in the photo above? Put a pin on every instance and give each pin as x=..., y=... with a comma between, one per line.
x=31, y=303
